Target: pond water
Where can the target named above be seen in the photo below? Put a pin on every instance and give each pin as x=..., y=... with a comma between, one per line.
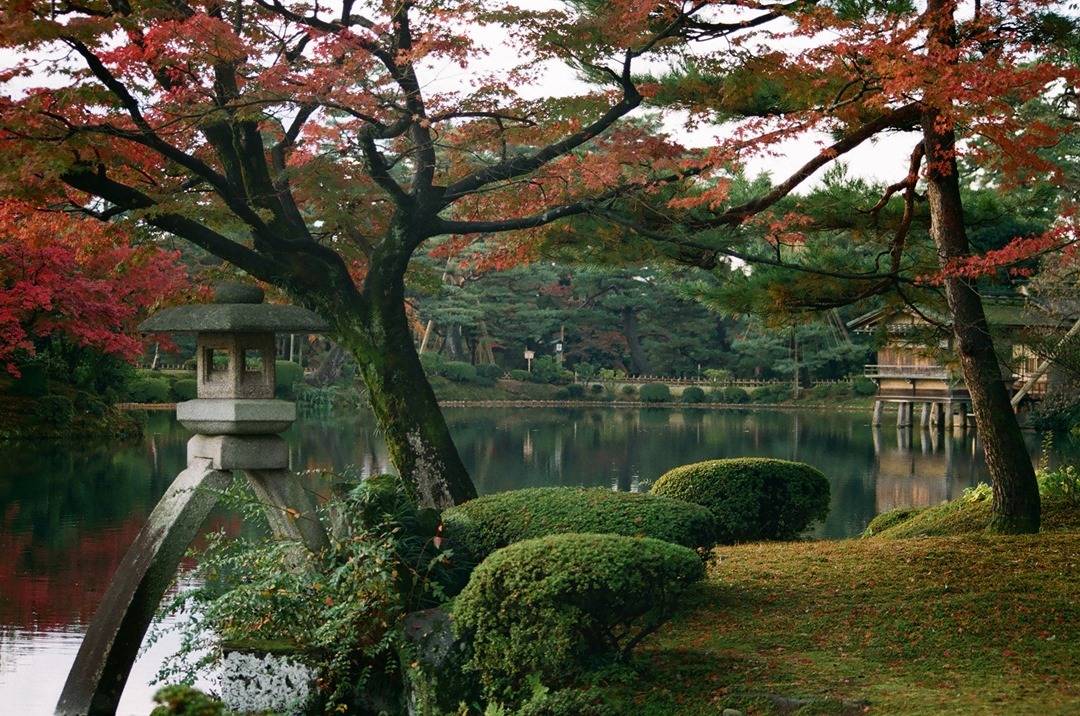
x=68, y=513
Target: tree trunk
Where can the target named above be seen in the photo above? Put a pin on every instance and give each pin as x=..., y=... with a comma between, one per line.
x=376, y=331
x=639, y=362
x=1016, y=494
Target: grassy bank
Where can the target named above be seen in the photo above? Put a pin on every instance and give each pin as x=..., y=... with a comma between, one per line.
x=964, y=625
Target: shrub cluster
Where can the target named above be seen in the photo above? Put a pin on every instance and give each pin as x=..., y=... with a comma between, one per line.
x=655, y=393
x=772, y=393
x=519, y=374
x=459, y=371
x=731, y=394
x=550, y=608
x=693, y=394
x=479, y=527
x=184, y=389
x=751, y=498
x=826, y=391
x=629, y=390
x=570, y=392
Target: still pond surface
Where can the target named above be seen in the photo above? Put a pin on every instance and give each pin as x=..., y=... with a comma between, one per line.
x=67, y=514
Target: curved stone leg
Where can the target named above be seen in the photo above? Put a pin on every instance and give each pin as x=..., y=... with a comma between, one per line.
x=290, y=508
x=112, y=640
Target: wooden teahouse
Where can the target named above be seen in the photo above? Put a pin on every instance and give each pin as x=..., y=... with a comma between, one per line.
x=916, y=363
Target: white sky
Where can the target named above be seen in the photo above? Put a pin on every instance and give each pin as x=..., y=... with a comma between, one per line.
x=883, y=159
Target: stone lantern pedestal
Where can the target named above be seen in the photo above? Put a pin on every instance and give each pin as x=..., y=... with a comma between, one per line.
x=236, y=422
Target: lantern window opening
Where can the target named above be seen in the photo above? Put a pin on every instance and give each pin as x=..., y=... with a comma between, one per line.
x=254, y=360
x=215, y=362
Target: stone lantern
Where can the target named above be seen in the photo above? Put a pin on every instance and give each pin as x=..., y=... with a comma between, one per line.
x=235, y=420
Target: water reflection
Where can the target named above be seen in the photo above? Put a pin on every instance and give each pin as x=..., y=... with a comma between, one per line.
x=68, y=514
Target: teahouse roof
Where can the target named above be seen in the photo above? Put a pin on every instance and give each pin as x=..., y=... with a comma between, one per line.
x=237, y=308
x=1000, y=312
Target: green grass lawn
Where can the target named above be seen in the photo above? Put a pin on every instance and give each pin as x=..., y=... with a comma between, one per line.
x=971, y=624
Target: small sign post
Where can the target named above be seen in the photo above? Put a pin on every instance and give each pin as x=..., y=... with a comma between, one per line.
x=528, y=359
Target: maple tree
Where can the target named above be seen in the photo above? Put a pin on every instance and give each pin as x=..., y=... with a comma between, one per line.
x=302, y=144
x=75, y=278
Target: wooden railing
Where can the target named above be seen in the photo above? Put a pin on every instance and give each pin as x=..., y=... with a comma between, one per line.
x=878, y=370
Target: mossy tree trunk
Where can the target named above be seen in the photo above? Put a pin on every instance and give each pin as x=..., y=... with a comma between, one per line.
x=1016, y=506
x=373, y=326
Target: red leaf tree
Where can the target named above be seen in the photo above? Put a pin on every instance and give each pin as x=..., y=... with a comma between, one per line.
x=79, y=278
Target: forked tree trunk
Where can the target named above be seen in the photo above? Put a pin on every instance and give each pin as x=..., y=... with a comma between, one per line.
x=1016, y=504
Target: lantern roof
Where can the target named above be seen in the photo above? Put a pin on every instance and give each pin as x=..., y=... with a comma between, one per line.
x=237, y=308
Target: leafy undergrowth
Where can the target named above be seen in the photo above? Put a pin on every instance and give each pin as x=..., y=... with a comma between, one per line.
x=968, y=514
x=966, y=625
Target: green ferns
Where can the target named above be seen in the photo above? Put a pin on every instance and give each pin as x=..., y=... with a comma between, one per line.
x=550, y=609
x=751, y=498
x=479, y=527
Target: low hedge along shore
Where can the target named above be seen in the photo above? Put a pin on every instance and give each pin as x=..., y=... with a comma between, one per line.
x=751, y=498
x=481, y=526
x=551, y=608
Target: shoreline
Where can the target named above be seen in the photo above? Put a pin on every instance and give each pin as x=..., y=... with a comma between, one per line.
x=537, y=403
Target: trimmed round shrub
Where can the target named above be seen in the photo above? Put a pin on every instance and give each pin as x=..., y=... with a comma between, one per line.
x=286, y=375
x=555, y=607
x=655, y=393
x=185, y=389
x=596, y=389
x=55, y=410
x=751, y=498
x=460, y=371
x=518, y=374
x=478, y=527
x=864, y=387
x=693, y=394
x=731, y=394
x=148, y=389
x=490, y=371
x=628, y=390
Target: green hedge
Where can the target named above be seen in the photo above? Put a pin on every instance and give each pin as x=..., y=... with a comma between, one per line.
x=629, y=391
x=693, y=394
x=864, y=387
x=477, y=528
x=551, y=608
x=148, y=389
x=286, y=375
x=655, y=393
x=752, y=498
x=518, y=374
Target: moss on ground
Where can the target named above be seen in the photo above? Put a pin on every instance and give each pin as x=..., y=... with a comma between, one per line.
x=963, y=625
x=966, y=515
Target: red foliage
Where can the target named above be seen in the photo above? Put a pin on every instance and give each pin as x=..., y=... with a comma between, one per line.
x=78, y=277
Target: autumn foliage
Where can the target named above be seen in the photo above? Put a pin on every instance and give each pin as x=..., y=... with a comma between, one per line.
x=61, y=275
